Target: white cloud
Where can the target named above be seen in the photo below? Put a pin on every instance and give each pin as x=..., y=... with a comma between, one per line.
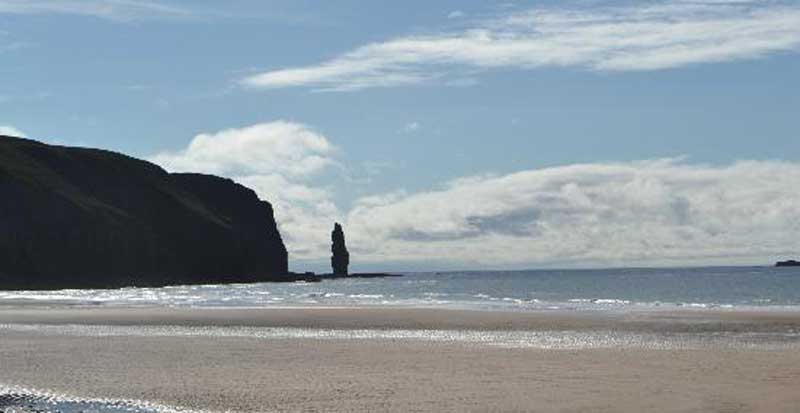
x=411, y=127
x=106, y=9
x=664, y=211
x=650, y=36
x=11, y=131
x=305, y=213
x=648, y=212
x=281, y=147
x=456, y=14
x=279, y=160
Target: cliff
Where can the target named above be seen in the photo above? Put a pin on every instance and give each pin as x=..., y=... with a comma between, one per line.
x=79, y=218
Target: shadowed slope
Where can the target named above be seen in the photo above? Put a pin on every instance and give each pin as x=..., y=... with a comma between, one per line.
x=75, y=217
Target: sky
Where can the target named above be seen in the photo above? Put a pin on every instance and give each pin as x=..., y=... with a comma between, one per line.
x=443, y=135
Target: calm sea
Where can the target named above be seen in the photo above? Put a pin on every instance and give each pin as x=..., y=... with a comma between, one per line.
x=717, y=287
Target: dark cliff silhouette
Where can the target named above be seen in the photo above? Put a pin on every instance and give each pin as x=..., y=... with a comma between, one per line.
x=80, y=218
x=788, y=263
x=340, y=258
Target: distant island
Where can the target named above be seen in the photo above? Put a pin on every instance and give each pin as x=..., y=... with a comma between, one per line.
x=90, y=218
x=788, y=263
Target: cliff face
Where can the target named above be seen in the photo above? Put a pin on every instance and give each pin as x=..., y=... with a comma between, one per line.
x=78, y=218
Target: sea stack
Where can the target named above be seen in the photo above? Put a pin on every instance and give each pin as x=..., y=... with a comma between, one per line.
x=340, y=258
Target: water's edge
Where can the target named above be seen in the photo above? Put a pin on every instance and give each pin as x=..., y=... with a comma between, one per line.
x=762, y=288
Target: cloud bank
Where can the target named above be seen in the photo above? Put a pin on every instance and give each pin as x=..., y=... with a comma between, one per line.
x=648, y=36
x=11, y=131
x=661, y=211
x=653, y=211
x=279, y=160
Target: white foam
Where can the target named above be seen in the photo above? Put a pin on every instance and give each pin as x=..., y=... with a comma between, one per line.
x=368, y=296
x=610, y=301
x=353, y=293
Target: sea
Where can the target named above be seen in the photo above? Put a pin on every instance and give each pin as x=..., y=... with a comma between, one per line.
x=533, y=290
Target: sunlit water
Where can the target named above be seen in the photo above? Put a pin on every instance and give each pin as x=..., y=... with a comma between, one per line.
x=19, y=399
x=762, y=287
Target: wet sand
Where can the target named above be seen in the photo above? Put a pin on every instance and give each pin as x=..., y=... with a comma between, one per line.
x=300, y=374
x=411, y=318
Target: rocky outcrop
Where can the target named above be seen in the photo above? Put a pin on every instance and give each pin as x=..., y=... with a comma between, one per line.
x=78, y=218
x=789, y=263
x=340, y=259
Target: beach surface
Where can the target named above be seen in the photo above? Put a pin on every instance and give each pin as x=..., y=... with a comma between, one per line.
x=404, y=359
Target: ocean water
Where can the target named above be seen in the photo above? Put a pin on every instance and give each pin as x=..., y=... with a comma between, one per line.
x=607, y=289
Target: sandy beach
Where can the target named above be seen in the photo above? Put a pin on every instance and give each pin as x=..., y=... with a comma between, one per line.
x=176, y=358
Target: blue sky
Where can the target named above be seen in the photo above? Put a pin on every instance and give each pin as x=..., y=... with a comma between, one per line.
x=383, y=113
